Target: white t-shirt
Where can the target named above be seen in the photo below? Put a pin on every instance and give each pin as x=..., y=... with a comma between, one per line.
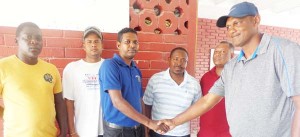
x=81, y=84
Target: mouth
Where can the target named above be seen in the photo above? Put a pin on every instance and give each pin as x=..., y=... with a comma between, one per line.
x=34, y=49
x=235, y=35
x=178, y=68
x=132, y=51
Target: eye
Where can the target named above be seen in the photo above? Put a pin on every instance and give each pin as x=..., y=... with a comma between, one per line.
x=126, y=42
x=29, y=37
x=135, y=42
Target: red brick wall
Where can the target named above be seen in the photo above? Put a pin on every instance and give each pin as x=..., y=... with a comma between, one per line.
x=60, y=46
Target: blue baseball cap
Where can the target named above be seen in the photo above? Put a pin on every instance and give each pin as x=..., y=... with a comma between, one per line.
x=239, y=10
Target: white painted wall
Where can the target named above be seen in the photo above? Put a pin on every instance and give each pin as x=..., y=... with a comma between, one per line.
x=108, y=15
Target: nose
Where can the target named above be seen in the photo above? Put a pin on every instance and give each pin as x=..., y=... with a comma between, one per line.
x=33, y=41
x=132, y=45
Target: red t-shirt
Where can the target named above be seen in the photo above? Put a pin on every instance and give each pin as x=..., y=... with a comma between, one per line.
x=214, y=122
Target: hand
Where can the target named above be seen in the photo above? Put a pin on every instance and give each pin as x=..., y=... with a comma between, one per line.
x=63, y=134
x=169, y=122
x=160, y=128
x=73, y=135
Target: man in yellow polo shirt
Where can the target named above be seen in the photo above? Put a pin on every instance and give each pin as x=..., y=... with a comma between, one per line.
x=31, y=89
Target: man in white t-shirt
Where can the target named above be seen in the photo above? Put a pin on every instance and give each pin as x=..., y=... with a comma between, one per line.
x=81, y=88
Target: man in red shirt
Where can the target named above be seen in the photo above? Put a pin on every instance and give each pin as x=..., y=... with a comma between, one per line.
x=214, y=123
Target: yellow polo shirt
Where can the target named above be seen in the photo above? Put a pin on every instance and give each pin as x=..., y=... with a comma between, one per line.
x=28, y=96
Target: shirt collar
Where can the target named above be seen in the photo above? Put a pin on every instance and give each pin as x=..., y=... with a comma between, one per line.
x=168, y=76
x=260, y=49
x=121, y=61
x=213, y=71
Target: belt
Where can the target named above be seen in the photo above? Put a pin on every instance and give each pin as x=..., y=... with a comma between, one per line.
x=115, y=126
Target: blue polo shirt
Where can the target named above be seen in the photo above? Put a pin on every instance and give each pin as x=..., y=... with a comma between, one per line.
x=115, y=74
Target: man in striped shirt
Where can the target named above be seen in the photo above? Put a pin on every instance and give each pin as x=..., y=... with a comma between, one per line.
x=171, y=92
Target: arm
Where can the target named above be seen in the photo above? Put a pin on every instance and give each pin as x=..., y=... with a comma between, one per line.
x=71, y=110
x=122, y=105
x=61, y=114
x=1, y=108
x=148, y=110
x=296, y=119
x=147, y=113
x=200, y=107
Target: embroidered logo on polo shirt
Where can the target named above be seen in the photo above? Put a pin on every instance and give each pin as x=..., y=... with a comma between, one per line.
x=138, y=78
x=48, y=77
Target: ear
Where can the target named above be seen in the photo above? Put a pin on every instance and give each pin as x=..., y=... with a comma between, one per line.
x=83, y=47
x=118, y=44
x=257, y=20
x=169, y=61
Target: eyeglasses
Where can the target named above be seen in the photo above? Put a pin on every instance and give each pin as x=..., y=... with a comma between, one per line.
x=182, y=60
x=127, y=42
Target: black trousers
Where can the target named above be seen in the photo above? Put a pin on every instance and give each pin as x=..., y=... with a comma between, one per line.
x=113, y=132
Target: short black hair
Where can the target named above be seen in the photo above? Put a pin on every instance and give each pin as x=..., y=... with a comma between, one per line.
x=125, y=30
x=23, y=25
x=231, y=47
x=179, y=48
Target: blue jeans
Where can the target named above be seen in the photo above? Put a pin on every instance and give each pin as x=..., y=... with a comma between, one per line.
x=154, y=134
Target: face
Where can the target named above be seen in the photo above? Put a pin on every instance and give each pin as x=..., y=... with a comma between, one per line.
x=30, y=42
x=92, y=45
x=222, y=55
x=241, y=30
x=128, y=46
x=178, y=62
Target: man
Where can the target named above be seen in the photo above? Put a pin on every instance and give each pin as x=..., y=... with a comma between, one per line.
x=81, y=88
x=214, y=123
x=171, y=92
x=261, y=85
x=31, y=89
x=121, y=90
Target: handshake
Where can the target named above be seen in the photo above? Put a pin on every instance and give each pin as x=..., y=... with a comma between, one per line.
x=161, y=126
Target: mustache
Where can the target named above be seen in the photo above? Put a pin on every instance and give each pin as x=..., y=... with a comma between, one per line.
x=178, y=66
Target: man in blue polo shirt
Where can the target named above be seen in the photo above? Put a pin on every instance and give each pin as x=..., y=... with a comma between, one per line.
x=261, y=86
x=121, y=91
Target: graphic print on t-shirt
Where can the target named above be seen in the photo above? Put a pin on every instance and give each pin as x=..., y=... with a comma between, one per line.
x=91, y=81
